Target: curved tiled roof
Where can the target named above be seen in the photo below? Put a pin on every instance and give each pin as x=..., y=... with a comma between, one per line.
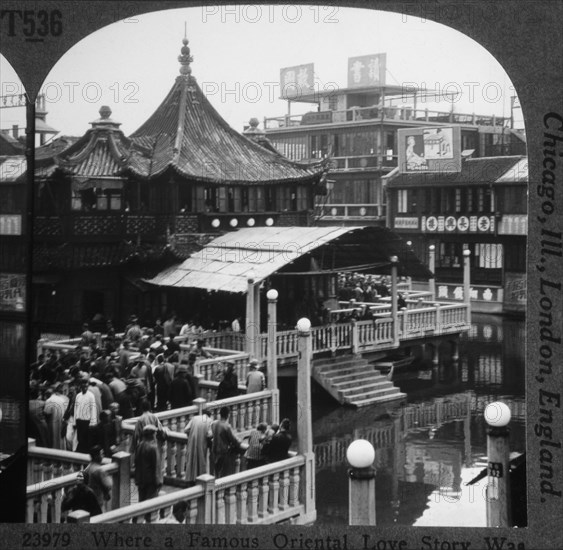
x=186, y=134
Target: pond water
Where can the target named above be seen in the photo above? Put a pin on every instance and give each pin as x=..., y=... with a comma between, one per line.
x=431, y=445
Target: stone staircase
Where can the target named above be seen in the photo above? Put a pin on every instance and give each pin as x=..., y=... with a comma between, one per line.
x=353, y=381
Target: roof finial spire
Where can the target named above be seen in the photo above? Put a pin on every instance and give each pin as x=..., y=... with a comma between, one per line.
x=185, y=58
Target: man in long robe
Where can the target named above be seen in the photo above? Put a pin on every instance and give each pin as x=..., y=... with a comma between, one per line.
x=148, y=465
x=198, y=431
x=55, y=408
x=146, y=419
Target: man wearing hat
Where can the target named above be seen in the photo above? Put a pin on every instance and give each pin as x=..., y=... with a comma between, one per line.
x=182, y=388
x=255, y=379
x=228, y=387
x=148, y=465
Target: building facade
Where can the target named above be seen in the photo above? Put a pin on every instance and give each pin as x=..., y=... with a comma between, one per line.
x=482, y=208
x=113, y=210
x=357, y=127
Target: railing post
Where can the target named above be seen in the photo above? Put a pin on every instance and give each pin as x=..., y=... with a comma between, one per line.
x=272, y=366
x=467, y=283
x=206, y=506
x=432, y=267
x=355, y=338
x=394, y=314
x=78, y=516
x=438, y=327
x=197, y=382
x=122, y=490
x=499, y=514
x=251, y=331
x=40, y=343
x=305, y=421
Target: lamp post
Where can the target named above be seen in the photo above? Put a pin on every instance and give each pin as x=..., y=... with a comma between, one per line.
x=394, y=311
x=272, y=296
x=305, y=417
x=272, y=362
x=432, y=267
x=361, y=497
x=497, y=415
x=250, y=325
x=467, y=283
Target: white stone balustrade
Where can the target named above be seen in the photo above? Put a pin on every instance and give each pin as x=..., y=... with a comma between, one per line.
x=265, y=495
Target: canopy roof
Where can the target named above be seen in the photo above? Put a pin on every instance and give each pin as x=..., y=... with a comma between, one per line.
x=508, y=169
x=226, y=263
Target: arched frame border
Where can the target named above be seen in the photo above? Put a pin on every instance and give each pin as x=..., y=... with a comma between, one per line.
x=525, y=37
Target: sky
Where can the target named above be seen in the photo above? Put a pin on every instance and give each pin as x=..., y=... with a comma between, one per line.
x=238, y=53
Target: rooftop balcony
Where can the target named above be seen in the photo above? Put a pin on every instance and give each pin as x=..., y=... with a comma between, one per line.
x=387, y=114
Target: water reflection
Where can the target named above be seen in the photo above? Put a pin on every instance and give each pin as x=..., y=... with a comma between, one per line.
x=430, y=446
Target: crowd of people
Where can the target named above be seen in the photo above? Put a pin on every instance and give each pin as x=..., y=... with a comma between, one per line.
x=79, y=397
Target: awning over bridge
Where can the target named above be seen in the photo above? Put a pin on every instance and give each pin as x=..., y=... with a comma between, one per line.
x=227, y=262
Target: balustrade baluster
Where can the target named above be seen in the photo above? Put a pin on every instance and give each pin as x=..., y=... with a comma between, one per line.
x=250, y=420
x=242, y=504
x=231, y=506
x=220, y=506
x=170, y=457
x=56, y=508
x=273, y=503
x=264, y=409
x=191, y=517
x=38, y=471
x=253, y=502
x=30, y=510
x=44, y=507
x=181, y=449
x=295, y=479
x=263, y=492
x=284, y=490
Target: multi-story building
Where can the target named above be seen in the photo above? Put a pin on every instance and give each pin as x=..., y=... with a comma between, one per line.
x=483, y=208
x=357, y=128
x=112, y=210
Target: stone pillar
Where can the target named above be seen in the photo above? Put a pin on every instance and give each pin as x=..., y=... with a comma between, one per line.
x=361, y=480
x=467, y=283
x=499, y=514
x=121, y=492
x=305, y=420
x=432, y=267
x=272, y=363
x=251, y=330
x=79, y=516
x=206, y=506
x=394, y=313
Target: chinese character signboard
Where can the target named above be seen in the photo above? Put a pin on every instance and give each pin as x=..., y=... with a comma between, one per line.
x=12, y=292
x=297, y=81
x=366, y=70
x=430, y=150
x=10, y=224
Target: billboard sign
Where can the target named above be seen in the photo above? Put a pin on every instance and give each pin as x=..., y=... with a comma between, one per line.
x=297, y=81
x=366, y=70
x=430, y=149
